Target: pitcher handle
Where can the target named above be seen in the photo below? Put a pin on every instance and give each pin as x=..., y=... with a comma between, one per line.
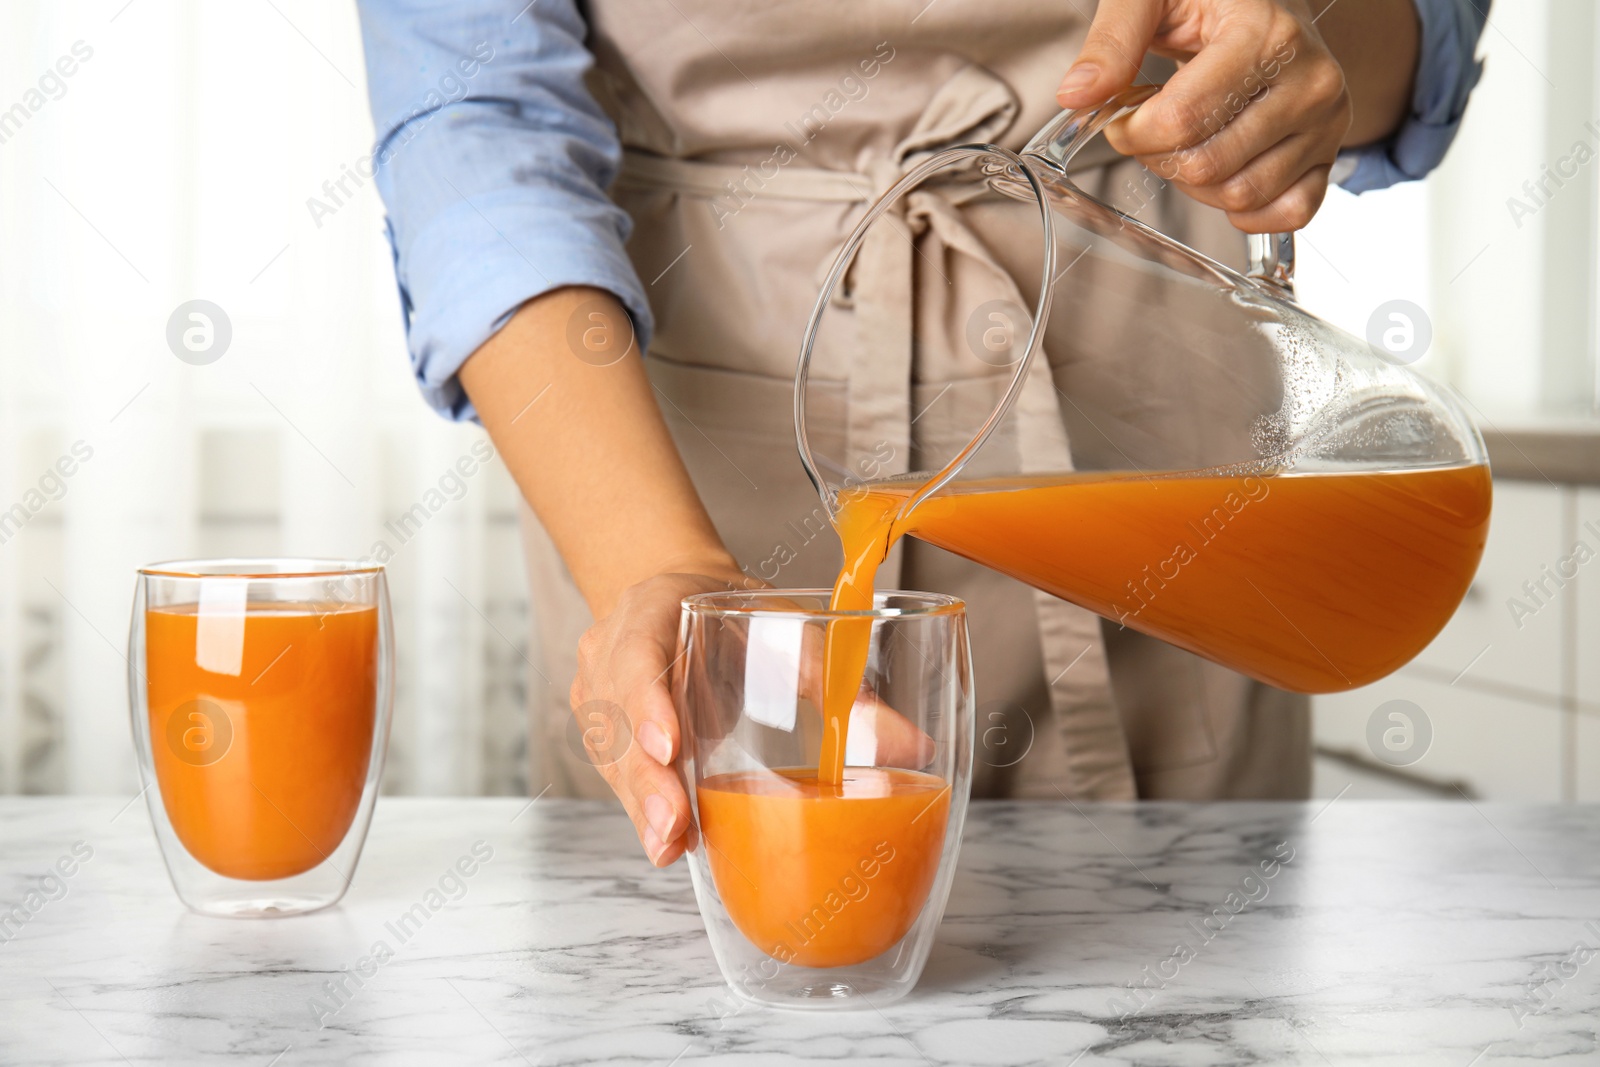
x=1272, y=261
x=1271, y=254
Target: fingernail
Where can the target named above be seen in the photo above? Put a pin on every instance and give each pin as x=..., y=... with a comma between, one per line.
x=1078, y=78
x=652, y=844
x=659, y=814
x=654, y=741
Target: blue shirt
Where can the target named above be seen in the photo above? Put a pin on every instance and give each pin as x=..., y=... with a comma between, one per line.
x=1447, y=71
x=493, y=162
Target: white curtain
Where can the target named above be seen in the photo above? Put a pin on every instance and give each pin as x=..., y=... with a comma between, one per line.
x=158, y=152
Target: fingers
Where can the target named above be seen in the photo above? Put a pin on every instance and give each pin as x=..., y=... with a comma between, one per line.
x=1233, y=68
x=1212, y=160
x=1251, y=123
x=900, y=742
x=658, y=806
x=1288, y=211
x=1262, y=179
x=1112, y=52
x=626, y=660
x=1240, y=134
x=639, y=669
x=878, y=732
x=650, y=789
x=1204, y=138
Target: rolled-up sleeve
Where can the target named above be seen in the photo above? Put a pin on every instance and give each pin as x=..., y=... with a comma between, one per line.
x=492, y=160
x=1447, y=71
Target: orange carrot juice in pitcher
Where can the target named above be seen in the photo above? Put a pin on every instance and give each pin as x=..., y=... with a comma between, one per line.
x=1167, y=442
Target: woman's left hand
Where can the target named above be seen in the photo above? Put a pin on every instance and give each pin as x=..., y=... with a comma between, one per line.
x=1252, y=120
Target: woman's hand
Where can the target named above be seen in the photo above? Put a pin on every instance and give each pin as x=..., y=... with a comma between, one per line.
x=564, y=394
x=626, y=659
x=1260, y=106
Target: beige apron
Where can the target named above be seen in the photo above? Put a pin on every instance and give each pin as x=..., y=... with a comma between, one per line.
x=756, y=135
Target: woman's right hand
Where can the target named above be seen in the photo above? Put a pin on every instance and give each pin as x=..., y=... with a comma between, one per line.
x=625, y=659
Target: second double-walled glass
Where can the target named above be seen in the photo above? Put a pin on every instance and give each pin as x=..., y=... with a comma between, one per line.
x=819, y=895
x=261, y=694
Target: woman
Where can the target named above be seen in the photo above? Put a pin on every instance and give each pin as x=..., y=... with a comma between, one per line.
x=755, y=135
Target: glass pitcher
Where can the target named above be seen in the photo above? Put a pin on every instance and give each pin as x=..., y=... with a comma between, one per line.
x=1166, y=441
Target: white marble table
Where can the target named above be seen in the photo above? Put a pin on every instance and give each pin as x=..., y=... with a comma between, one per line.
x=1407, y=933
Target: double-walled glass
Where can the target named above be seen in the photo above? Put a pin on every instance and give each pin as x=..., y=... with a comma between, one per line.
x=817, y=895
x=261, y=693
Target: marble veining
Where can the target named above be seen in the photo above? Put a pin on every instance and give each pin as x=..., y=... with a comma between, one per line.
x=1237, y=933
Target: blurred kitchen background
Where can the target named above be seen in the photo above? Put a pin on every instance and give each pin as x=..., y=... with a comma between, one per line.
x=175, y=163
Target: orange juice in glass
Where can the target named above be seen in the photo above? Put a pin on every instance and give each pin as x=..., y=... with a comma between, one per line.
x=822, y=885
x=261, y=693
